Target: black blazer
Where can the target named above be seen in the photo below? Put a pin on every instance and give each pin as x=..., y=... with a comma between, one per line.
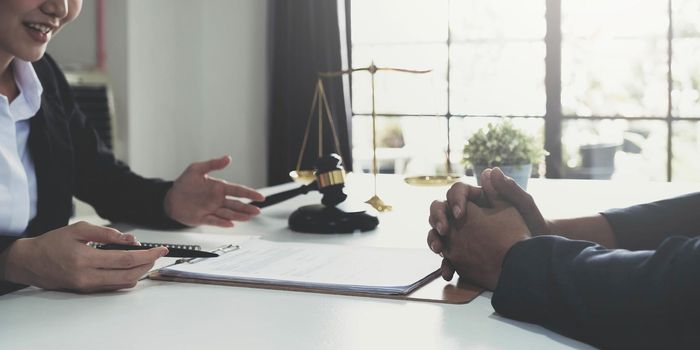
x=645, y=297
x=71, y=160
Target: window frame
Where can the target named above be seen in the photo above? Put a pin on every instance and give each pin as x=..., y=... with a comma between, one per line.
x=553, y=117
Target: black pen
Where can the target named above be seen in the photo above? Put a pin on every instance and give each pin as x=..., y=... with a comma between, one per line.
x=172, y=252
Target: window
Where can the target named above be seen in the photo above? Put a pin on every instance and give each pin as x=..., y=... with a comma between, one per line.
x=619, y=95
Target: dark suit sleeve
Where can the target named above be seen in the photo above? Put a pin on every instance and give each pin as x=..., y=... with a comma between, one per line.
x=115, y=192
x=645, y=226
x=107, y=184
x=608, y=298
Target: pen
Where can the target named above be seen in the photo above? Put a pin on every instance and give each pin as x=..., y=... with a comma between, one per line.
x=172, y=252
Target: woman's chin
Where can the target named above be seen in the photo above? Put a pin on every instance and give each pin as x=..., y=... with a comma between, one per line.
x=32, y=55
x=35, y=57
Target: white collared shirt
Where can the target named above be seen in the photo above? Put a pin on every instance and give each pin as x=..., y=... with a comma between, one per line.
x=18, y=190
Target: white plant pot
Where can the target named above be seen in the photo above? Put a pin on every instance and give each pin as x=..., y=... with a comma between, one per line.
x=519, y=173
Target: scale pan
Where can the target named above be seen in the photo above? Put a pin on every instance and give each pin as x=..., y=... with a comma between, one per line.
x=432, y=180
x=302, y=176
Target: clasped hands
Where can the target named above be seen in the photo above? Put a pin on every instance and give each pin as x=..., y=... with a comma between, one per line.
x=61, y=259
x=475, y=227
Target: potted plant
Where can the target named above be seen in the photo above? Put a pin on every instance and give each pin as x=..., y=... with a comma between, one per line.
x=503, y=145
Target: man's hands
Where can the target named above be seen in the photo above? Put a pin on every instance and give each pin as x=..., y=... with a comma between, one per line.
x=197, y=199
x=478, y=243
x=61, y=259
x=496, y=187
x=475, y=227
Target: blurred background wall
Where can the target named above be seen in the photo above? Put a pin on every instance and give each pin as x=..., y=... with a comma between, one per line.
x=189, y=81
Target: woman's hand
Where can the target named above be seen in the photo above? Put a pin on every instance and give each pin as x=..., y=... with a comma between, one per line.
x=196, y=198
x=61, y=259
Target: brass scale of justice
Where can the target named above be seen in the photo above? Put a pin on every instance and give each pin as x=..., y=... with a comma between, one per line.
x=329, y=175
x=320, y=103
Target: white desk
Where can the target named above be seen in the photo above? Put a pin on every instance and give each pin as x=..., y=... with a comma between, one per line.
x=193, y=316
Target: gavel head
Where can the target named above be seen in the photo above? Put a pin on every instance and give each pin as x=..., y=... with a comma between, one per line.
x=330, y=177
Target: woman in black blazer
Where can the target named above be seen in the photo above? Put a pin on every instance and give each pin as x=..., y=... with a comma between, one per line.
x=70, y=160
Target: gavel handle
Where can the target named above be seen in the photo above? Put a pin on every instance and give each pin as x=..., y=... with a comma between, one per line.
x=283, y=196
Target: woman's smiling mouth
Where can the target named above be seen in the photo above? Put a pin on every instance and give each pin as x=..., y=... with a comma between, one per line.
x=39, y=31
x=39, y=27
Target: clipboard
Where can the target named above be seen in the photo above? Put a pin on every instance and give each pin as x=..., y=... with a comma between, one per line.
x=434, y=288
x=437, y=291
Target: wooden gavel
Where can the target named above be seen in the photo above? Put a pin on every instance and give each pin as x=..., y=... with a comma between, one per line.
x=329, y=180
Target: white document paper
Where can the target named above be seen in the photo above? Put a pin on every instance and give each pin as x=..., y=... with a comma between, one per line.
x=321, y=266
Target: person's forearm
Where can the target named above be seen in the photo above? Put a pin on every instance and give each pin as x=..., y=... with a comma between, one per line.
x=10, y=263
x=590, y=228
x=645, y=226
x=6, y=243
x=609, y=298
x=13, y=273
x=3, y=263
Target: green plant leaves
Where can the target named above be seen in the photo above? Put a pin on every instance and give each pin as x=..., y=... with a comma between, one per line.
x=502, y=144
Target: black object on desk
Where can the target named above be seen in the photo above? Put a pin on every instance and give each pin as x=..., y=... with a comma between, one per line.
x=172, y=252
x=326, y=218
